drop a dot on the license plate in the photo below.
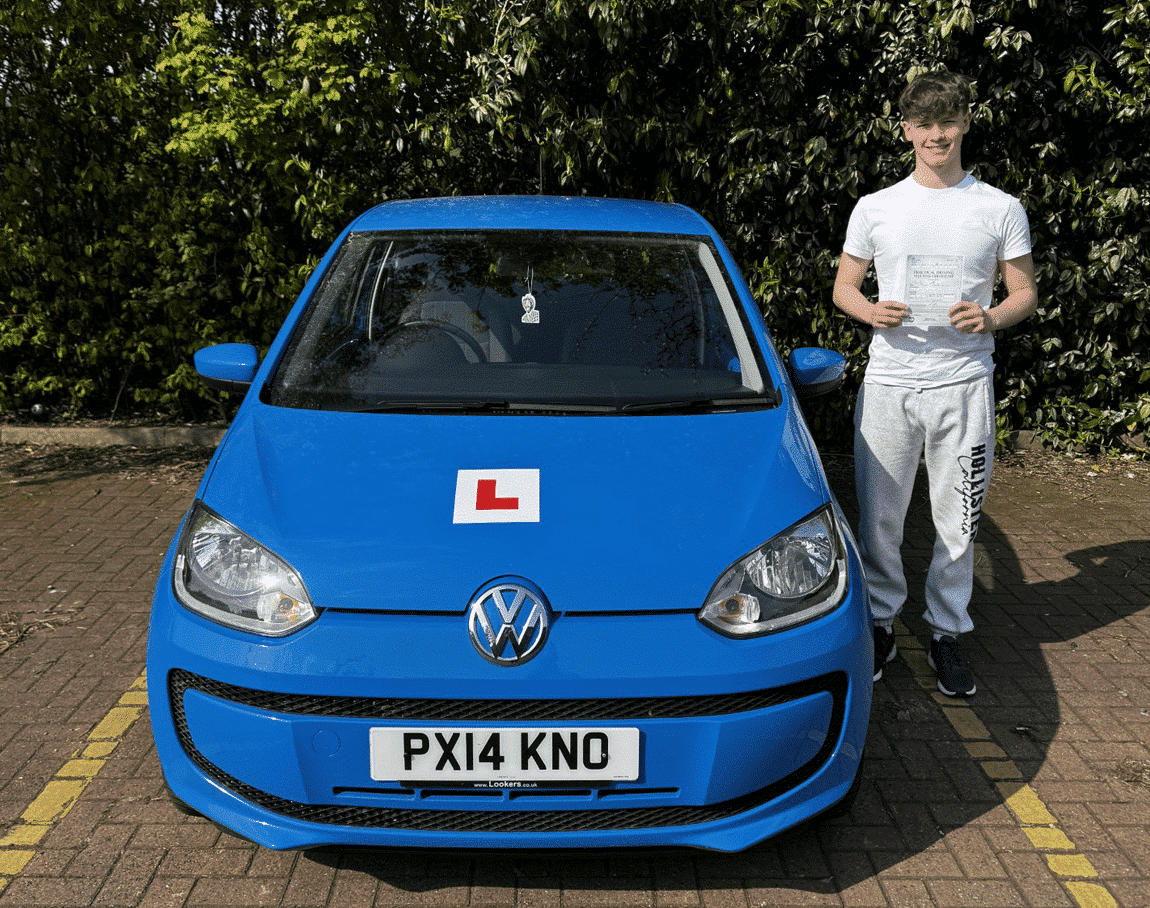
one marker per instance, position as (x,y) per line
(504,755)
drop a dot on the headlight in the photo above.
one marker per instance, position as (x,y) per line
(228,577)
(794,577)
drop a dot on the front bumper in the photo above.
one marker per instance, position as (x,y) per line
(740,739)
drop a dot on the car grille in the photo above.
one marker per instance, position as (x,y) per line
(517,820)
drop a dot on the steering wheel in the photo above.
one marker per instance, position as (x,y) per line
(458,334)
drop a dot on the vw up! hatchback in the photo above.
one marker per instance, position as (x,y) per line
(517,540)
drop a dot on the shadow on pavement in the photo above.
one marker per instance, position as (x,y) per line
(32,465)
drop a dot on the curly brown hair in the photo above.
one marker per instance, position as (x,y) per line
(933,95)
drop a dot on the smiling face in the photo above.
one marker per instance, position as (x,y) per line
(937,141)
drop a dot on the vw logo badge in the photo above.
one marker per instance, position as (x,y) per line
(508,620)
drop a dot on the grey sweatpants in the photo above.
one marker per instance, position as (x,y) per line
(953,426)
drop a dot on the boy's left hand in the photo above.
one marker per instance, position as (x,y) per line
(970,318)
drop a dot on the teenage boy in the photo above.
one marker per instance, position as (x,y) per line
(937,239)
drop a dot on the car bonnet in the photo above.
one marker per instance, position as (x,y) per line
(603,513)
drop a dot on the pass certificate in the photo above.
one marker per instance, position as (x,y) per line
(933,285)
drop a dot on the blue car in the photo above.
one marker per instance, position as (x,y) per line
(517,540)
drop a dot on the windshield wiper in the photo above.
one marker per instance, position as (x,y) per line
(681,405)
(415,405)
(484,406)
(696,404)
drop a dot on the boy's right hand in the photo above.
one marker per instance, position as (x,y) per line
(888,314)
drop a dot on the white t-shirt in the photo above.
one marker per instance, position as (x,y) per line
(930,245)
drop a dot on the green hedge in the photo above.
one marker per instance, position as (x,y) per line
(173,169)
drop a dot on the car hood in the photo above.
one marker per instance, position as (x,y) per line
(634,513)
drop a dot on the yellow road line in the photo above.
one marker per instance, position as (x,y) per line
(59,795)
(1039,824)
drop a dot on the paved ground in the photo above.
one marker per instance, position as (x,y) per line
(1036,793)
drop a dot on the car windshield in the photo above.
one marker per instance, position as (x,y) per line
(506,320)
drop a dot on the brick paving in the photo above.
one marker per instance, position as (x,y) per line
(1036,793)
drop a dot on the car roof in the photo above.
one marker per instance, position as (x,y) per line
(534,212)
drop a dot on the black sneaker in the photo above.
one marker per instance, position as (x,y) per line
(884,649)
(954,678)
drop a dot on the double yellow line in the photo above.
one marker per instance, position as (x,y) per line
(1072,868)
(65,788)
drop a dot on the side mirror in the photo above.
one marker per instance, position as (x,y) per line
(228,367)
(816,371)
